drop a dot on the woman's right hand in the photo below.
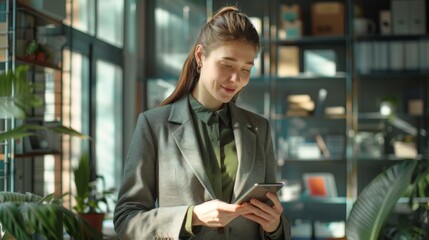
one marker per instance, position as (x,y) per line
(216,213)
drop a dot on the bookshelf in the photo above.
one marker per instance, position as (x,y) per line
(364,71)
(369,66)
(35,39)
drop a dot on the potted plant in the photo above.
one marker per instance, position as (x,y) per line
(368,216)
(23,216)
(26,216)
(36,52)
(87,197)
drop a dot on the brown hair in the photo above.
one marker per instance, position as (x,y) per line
(228,24)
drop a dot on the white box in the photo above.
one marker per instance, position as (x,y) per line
(308,151)
(380,56)
(385,22)
(411,55)
(424,54)
(405,149)
(363,58)
(408,16)
(400,16)
(397,56)
(321,62)
(417,16)
(288,64)
(415,107)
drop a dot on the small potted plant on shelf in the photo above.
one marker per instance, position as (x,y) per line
(36,52)
(87,197)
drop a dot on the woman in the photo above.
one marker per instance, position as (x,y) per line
(196,154)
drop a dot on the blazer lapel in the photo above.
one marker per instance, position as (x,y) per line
(187,141)
(245,140)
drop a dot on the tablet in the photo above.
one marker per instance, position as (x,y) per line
(259,191)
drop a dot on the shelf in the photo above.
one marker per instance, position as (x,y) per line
(386,158)
(323,200)
(259,79)
(45,65)
(37,154)
(33,154)
(295,160)
(313,40)
(279,117)
(305,76)
(379,116)
(343,200)
(373,38)
(30,10)
(409,74)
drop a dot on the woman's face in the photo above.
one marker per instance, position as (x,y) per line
(224,72)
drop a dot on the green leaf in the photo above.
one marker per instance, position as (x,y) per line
(24,215)
(12,221)
(376,201)
(68,131)
(82,181)
(73,224)
(28,130)
(16,93)
(43,218)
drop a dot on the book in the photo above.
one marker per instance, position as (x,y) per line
(322,145)
(288,64)
(320,184)
(320,62)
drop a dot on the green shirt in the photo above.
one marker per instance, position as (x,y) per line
(219,153)
(217,146)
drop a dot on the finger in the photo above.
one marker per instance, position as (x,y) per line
(229,207)
(274,198)
(268,225)
(254,218)
(262,210)
(264,207)
(245,209)
(276,202)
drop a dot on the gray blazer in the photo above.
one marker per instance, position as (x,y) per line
(164,174)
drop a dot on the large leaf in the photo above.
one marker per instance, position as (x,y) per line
(20,132)
(18,198)
(12,221)
(16,93)
(28,130)
(82,176)
(24,215)
(376,201)
(43,218)
(68,131)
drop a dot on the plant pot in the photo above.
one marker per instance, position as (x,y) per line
(95,220)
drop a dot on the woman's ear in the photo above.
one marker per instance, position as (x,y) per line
(199,54)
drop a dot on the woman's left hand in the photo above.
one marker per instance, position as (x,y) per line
(267,216)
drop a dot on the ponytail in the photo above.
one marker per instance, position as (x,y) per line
(228,24)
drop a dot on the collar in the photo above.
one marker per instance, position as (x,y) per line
(204,114)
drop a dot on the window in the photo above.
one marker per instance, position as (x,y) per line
(76,105)
(94,79)
(80,15)
(110,21)
(108,139)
